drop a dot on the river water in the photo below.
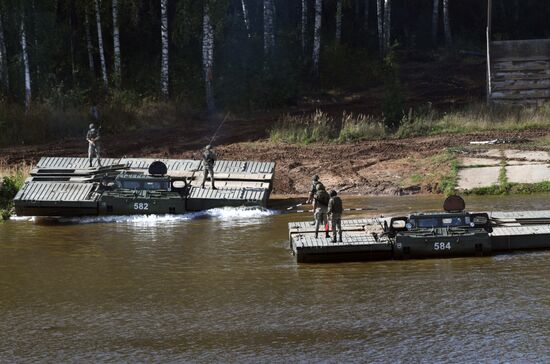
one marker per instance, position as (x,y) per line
(222,286)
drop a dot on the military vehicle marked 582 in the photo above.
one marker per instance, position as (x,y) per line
(125,186)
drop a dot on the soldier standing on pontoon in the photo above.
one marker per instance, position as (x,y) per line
(335,210)
(93,144)
(209,158)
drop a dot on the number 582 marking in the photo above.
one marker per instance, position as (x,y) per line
(442,246)
(141,206)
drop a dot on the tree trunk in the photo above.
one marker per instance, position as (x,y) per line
(435,21)
(338,21)
(245,18)
(447,24)
(366,16)
(164,70)
(4,74)
(380,17)
(89,43)
(208,58)
(71,38)
(317,35)
(387,25)
(304,25)
(26,67)
(116,45)
(269,35)
(100,46)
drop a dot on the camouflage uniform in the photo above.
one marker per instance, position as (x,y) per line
(335,210)
(320,209)
(93,146)
(209,158)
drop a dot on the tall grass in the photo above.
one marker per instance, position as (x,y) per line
(320,127)
(475,118)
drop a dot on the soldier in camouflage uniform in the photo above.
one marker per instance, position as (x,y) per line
(320,206)
(209,158)
(335,210)
(314,182)
(93,145)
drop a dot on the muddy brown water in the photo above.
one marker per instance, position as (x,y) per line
(223,287)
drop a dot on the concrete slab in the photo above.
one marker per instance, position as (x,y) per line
(528,173)
(469,178)
(527,155)
(491,153)
(470,162)
(523,163)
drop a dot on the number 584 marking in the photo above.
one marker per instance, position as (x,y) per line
(141,206)
(442,246)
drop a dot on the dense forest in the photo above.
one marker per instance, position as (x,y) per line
(229,54)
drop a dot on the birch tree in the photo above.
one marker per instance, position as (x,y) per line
(447,24)
(100,45)
(164,70)
(380,18)
(4,74)
(304,25)
(435,20)
(208,58)
(338,21)
(317,35)
(269,33)
(116,45)
(89,45)
(26,68)
(245,18)
(387,25)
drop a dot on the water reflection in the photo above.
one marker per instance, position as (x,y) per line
(222,286)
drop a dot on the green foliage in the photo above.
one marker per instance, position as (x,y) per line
(512,188)
(448,181)
(394,102)
(9,187)
(347,68)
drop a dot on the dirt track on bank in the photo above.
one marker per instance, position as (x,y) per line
(366,168)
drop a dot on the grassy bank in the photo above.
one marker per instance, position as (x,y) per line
(11,181)
(320,127)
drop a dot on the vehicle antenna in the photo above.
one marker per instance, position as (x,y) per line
(218,129)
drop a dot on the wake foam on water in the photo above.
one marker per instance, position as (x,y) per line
(248,214)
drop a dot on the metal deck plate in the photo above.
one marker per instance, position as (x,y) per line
(56,191)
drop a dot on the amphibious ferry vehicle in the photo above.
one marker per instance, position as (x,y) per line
(126,186)
(451,233)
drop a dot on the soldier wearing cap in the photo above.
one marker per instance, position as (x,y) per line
(93,144)
(209,158)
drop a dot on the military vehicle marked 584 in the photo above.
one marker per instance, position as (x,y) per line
(125,186)
(453,233)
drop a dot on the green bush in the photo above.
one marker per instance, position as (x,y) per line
(9,187)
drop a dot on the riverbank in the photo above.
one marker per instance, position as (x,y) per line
(429,164)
